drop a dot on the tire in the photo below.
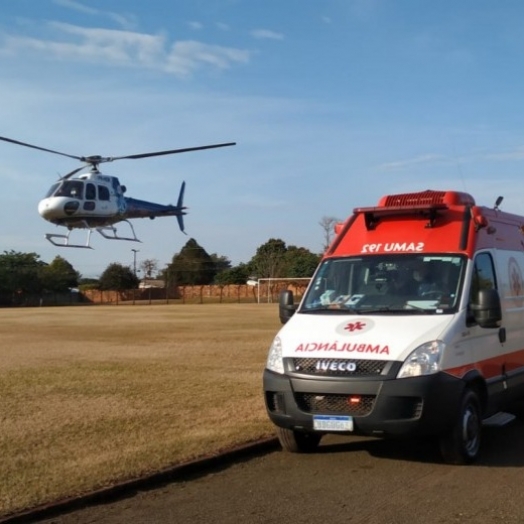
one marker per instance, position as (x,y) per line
(461,445)
(298,441)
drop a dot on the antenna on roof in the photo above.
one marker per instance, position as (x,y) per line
(498,202)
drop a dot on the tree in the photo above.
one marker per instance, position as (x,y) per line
(85,284)
(118,278)
(275,260)
(235,275)
(192,266)
(20,273)
(224,274)
(269,260)
(88,281)
(300,262)
(59,276)
(149,267)
(328,226)
(221,262)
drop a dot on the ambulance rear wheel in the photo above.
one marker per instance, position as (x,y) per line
(298,441)
(461,445)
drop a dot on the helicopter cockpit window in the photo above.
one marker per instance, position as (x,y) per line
(71,189)
(103,193)
(52,190)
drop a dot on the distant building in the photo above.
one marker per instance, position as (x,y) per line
(148,283)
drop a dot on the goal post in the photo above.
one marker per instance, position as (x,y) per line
(266,286)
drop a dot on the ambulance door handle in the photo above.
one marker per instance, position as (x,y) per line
(502,335)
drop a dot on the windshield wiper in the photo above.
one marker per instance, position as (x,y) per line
(338,309)
(385,309)
(416,307)
(380,309)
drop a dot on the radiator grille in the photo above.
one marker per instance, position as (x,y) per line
(329,367)
(339,404)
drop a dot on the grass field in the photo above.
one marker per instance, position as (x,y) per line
(95,395)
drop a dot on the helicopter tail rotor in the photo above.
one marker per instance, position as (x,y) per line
(180,205)
(180,219)
(180,202)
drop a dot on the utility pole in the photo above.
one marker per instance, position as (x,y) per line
(135,251)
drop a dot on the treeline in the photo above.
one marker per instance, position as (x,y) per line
(25,274)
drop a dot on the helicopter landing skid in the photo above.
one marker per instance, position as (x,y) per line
(65,240)
(114,234)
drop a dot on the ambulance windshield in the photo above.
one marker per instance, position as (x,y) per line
(387,283)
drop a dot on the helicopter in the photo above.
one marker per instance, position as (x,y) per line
(96,202)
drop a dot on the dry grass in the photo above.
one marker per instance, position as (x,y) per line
(94,395)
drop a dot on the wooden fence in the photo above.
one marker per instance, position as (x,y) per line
(184,294)
(195,294)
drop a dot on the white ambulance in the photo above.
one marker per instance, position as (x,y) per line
(413,324)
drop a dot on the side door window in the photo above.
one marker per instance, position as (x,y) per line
(90,192)
(483,278)
(103,193)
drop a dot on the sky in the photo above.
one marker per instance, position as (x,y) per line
(332,104)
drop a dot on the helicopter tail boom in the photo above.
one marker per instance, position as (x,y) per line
(142,209)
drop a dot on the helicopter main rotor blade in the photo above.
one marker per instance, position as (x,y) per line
(40,148)
(172,151)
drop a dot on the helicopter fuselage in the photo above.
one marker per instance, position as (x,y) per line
(91,200)
(95,200)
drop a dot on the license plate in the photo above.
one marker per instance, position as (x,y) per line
(332,423)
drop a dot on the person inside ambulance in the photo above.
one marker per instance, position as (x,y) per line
(426,279)
(404,283)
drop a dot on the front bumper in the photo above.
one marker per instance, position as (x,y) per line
(424,405)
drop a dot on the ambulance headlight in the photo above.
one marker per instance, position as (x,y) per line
(274,359)
(425,360)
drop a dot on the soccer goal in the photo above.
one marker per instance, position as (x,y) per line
(268,289)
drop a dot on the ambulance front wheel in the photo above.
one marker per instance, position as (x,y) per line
(461,445)
(298,441)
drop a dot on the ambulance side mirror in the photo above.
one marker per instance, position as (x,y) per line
(487,310)
(286,305)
